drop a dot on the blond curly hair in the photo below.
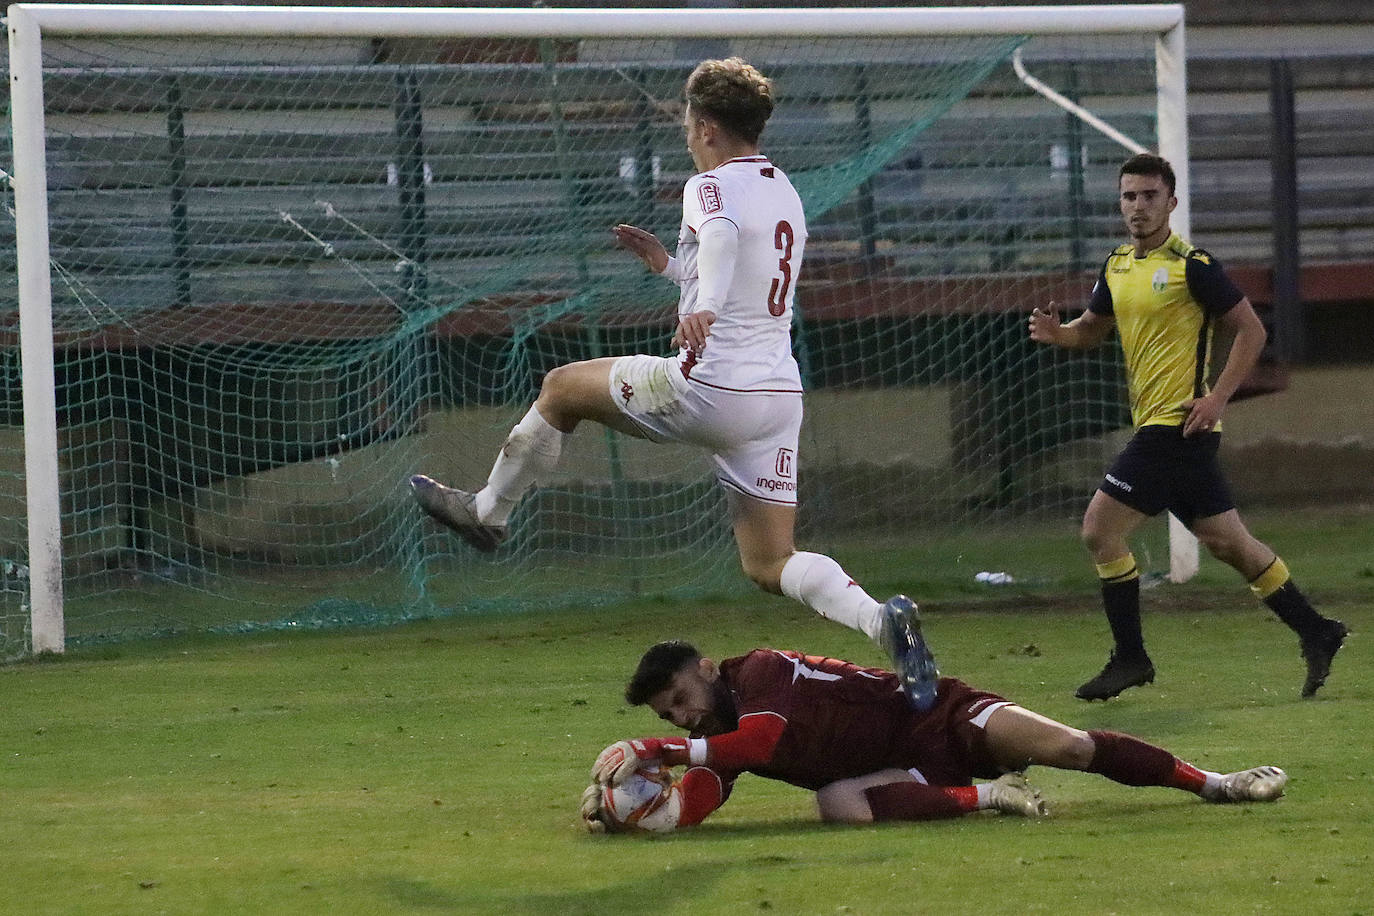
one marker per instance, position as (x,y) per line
(734,93)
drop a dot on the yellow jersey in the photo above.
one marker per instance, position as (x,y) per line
(1165,304)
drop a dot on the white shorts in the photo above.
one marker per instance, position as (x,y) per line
(752,436)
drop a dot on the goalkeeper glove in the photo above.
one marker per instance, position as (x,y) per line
(592,817)
(618,762)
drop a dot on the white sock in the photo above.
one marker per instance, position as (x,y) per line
(530,452)
(819,583)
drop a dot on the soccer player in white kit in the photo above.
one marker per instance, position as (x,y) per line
(733,386)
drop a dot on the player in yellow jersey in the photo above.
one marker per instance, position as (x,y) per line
(1165,297)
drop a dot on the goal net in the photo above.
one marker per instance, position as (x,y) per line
(291,265)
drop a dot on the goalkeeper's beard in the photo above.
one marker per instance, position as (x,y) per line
(722,718)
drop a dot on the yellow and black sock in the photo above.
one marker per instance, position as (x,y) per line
(1276,588)
(1121,600)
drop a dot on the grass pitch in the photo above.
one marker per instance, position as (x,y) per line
(436,767)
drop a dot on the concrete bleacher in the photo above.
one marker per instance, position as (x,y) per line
(498,172)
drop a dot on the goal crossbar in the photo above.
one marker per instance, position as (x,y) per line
(147,20)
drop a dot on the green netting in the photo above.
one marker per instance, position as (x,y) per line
(289,274)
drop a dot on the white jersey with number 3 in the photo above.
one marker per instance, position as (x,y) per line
(750,344)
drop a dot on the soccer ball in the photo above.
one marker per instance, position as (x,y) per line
(649,801)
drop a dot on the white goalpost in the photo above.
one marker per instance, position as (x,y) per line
(32,26)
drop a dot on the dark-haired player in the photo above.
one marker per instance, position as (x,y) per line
(1165,297)
(732,387)
(847,733)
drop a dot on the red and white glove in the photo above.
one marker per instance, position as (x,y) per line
(618,762)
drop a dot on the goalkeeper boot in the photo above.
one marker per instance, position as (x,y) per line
(1010,793)
(1118,674)
(1318,649)
(1257,784)
(901,637)
(456,510)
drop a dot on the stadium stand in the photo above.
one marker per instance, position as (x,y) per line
(1230,134)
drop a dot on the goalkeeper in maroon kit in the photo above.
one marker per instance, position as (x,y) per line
(847,733)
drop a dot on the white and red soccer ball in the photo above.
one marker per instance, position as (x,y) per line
(649,801)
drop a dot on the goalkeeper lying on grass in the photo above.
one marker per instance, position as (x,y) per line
(848,733)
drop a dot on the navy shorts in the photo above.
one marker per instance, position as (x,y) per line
(1160,469)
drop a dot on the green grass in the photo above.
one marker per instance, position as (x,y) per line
(436,767)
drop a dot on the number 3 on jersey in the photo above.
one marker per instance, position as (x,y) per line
(777,292)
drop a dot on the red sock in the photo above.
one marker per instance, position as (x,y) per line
(911,801)
(1187,776)
(1133,762)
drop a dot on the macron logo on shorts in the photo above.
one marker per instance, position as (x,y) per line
(1119,484)
(709,195)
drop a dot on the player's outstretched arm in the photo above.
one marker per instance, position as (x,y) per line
(643,245)
(1087,330)
(751,744)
